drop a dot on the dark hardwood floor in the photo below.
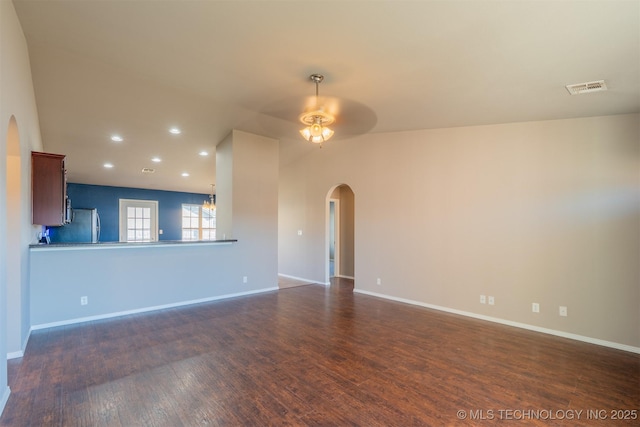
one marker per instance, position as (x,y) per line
(315,355)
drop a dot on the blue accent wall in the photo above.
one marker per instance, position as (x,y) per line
(106,200)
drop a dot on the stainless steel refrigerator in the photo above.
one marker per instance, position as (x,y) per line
(83,228)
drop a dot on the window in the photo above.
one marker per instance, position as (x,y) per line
(198,222)
(138,220)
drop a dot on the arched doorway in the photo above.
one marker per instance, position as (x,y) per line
(13,246)
(340,235)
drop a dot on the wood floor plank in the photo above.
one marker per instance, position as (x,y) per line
(313,355)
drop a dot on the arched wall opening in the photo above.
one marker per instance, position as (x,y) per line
(340,233)
(13,249)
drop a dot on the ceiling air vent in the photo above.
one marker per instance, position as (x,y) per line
(148,170)
(580,88)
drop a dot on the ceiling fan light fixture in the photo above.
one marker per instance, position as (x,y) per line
(317,137)
(316,122)
(316,130)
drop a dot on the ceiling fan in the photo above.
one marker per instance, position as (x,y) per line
(317,119)
(322,117)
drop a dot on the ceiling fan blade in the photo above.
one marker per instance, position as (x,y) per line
(351,117)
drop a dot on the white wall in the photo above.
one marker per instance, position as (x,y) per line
(13,272)
(124,279)
(545,212)
(224,188)
(247,178)
(17,100)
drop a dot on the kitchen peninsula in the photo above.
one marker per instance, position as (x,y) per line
(72,283)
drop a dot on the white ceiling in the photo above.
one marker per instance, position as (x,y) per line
(136,68)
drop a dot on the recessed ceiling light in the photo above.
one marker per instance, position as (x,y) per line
(108,165)
(116,138)
(185,174)
(203,153)
(175,131)
(156,159)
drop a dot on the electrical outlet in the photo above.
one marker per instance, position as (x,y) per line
(378,281)
(299,232)
(84,300)
(535,307)
(563,311)
(483,299)
(492,301)
(244,279)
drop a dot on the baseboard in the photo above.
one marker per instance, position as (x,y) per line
(19,354)
(15,354)
(146,309)
(302,279)
(342,276)
(5,398)
(526,326)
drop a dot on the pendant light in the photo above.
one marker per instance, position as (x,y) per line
(209,204)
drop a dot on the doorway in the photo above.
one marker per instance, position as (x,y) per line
(340,233)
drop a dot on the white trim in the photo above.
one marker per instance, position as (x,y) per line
(562,334)
(302,279)
(143,310)
(5,398)
(342,276)
(19,354)
(15,354)
(336,236)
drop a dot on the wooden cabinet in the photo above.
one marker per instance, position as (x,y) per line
(48,188)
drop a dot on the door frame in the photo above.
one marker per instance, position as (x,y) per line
(336,237)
